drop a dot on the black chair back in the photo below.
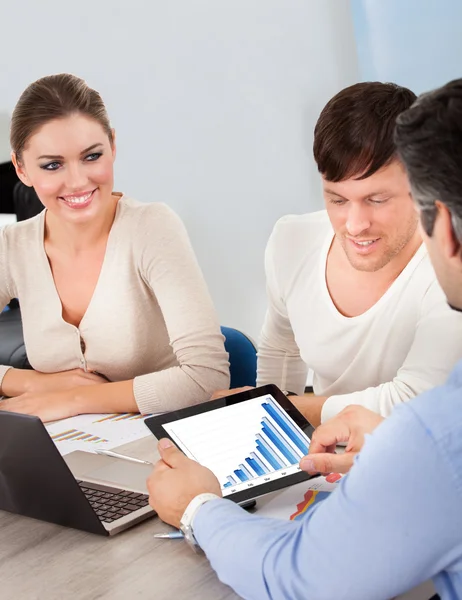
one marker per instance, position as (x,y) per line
(8,180)
(26,202)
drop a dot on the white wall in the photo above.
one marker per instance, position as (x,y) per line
(416,43)
(214,103)
(4,137)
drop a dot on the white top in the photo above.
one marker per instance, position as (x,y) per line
(6,219)
(406,343)
(150,319)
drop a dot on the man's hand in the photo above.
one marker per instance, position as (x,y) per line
(175,481)
(310,406)
(224,393)
(350,425)
(20,381)
(48,407)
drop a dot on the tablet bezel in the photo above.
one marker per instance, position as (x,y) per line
(155,424)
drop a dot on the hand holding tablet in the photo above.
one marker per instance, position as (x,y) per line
(252,441)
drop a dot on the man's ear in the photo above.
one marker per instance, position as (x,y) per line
(20,171)
(445,233)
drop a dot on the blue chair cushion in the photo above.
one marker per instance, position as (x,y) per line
(242,358)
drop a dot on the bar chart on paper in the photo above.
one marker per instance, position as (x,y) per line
(243,444)
(89,432)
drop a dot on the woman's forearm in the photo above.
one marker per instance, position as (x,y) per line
(21,381)
(105,398)
(17,381)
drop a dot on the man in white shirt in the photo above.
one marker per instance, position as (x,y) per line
(352,294)
(395,520)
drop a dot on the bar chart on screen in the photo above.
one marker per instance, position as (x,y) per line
(277,446)
(88,432)
(244,444)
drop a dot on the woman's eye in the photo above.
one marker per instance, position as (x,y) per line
(93,156)
(53,166)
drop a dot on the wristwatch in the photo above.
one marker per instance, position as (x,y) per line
(187,520)
(287,393)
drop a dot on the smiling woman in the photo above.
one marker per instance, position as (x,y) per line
(123,320)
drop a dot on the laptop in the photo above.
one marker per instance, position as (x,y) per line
(94,493)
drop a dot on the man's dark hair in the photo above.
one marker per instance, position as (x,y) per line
(428,139)
(354,133)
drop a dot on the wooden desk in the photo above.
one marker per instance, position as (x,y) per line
(42,561)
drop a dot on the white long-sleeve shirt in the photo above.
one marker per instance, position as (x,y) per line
(406,343)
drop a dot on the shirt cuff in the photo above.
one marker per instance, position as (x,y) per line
(3,370)
(194,506)
(145,396)
(334,404)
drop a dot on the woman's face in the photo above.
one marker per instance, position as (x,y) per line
(69,162)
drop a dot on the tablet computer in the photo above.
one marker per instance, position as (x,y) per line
(252,441)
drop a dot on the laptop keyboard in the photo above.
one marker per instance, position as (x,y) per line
(112,505)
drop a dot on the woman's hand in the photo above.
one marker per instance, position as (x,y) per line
(52,396)
(17,382)
(50,406)
(112,397)
(66,380)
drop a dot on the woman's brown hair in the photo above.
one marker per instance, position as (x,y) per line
(54,97)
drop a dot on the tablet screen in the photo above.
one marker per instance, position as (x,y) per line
(246,444)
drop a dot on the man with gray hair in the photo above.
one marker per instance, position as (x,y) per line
(396,519)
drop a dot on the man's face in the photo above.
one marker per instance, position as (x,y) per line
(441,247)
(374,218)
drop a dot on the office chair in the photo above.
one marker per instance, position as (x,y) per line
(8,180)
(26,202)
(242,358)
(15,197)
(12,349)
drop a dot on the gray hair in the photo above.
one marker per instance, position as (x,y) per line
(428,137)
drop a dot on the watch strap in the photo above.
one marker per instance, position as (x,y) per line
(187,520)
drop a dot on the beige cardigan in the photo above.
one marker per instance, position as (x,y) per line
(150,319)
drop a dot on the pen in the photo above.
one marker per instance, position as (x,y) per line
(173,535)
(122,456)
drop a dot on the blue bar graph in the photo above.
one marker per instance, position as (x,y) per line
(245,470)
(262,441)
(266,454)
(242,476)
(278,445)
(287,442)
(255,466)
(278,441)
(260,462)
(287,427)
